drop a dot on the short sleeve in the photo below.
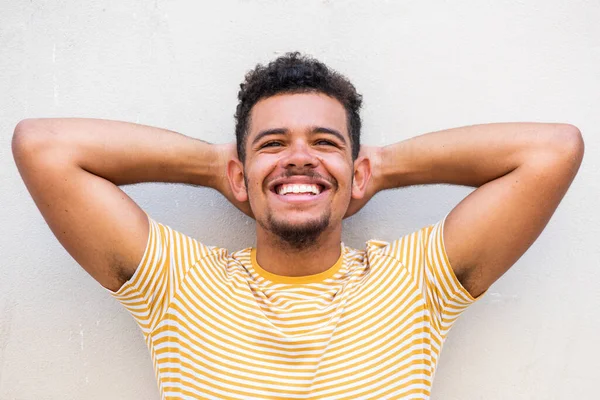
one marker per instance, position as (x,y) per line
(168,257)
(423,253)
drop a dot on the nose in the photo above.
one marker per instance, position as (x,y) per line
(300,155)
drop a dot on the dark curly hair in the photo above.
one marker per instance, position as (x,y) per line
(296,73)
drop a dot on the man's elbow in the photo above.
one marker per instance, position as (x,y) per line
(25,130)
(569,143)
(29,134)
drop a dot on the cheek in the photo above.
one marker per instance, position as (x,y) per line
(343,174)
(258,168)
(254,180)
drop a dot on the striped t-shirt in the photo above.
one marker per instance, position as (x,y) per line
(218,326)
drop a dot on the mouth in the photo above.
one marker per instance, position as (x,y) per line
(293,188)
(295,193)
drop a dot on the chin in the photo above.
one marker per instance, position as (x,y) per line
(299,222)
(298,233)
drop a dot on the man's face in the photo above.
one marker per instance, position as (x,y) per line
(298,168)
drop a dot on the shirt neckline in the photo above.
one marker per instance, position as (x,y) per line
(315,278)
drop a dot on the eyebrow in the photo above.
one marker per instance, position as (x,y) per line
(283,131)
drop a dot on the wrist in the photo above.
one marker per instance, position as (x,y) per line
(221,154)
(377,158)
(390,169)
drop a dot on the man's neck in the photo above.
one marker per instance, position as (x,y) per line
(280,258)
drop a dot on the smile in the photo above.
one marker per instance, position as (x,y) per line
(287,189)
(299,193)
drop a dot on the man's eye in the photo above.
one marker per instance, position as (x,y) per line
(269,144)
(327,142)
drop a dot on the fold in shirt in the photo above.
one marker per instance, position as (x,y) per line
(219,326)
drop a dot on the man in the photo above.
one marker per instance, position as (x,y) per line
(301,315)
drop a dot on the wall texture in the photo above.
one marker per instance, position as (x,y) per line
(421,66)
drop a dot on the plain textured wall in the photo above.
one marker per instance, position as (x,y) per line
(421,66)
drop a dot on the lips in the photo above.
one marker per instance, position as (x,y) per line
(299,188)
(299,183)
(296,198)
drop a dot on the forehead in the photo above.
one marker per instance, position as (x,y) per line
(297,112)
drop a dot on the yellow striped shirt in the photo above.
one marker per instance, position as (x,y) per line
(218,326)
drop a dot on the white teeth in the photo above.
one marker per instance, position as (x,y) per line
(293,188)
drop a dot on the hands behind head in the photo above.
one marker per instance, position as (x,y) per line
(228,151)
(373,154)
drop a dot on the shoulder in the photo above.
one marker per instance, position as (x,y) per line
(409,244)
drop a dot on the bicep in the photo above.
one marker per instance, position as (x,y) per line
(487,232)
(98,224)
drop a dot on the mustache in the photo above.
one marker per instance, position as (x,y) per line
(305,172)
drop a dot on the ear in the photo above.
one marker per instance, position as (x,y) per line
(362,177)
(235,174)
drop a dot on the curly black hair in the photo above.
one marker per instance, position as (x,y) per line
(296,73)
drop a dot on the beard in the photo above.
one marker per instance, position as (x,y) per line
(298,236)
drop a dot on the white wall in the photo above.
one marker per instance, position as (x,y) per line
(421,66)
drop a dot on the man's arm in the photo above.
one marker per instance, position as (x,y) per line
(73,167)
(521,171)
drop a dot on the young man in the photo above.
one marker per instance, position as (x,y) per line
(301,315)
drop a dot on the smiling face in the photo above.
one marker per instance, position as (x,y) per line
(298,172)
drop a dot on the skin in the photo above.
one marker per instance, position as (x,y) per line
(299,151)
(73,168)
(521,172)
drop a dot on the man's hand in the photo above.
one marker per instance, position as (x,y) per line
(374,154)
(227,152)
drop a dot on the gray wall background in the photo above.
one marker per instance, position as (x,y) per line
(421,66)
